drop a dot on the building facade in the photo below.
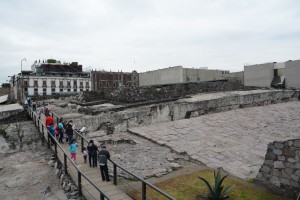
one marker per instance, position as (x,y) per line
(179,74)
(103,80)
(49,79)
(283,74)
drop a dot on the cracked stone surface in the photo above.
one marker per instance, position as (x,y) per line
(235,140)
(140,156)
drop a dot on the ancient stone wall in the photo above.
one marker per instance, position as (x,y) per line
(282,165)
(184,108)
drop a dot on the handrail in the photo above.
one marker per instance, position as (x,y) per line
(117,165)
(32,113)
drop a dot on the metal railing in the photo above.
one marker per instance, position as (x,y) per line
(116,166)
(51,139)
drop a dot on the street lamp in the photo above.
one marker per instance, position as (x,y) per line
(24,59)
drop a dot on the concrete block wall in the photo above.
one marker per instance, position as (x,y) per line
(259,75)
(281,167)
(292,74)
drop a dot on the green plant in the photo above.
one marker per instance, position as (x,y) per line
(216,192)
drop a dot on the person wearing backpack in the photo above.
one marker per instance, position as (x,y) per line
(103,155)
(92,152)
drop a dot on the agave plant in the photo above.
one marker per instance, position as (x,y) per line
(216,192)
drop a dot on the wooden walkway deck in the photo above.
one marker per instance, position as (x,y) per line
(93,173)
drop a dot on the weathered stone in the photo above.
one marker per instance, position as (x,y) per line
(276,172)
(55,165)
(259,175)
(279,145)
(295,178)
(285,175)
(297,172)
(278,165)
(275,181)
(289,143)
(267,176)
(297,143)
(269,162)
(297,166)
(285,181)
(288,170)
(289,153)
(51,162)
(290,165)
(270,156)
(294,183)
(270,146)
(282,158)
(291,160)
(277,152)
(266,169)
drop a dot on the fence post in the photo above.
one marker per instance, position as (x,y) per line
(115,174)
(48,141)
(65,164)
(143,191)
(101,196)
(82,144)
(79,184)
(55,149)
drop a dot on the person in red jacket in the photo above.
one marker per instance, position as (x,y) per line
(49,120)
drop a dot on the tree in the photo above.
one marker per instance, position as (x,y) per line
(5,85)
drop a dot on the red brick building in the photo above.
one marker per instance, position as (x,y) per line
(103,80)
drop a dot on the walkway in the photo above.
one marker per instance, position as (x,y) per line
(89,192)
(235,140)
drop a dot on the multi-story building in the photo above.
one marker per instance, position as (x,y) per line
(50,78)
(103,80)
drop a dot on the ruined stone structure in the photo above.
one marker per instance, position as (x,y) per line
(108,81)
(281,167)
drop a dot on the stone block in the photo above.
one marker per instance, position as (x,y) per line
(294,183)
(270,156)
(266,169)
(275,181)
(279,145)
(290,165)
(278,165)
(297,166)
(289,143)
(297,143)
(297,173)
(285,175)
(271,146)
(267,176)
(276,172)
(289,153)
(269,162)
(291,160)
(285,181)
(288,170)
(277,152)
(295,178)
(259,175)
(282,158)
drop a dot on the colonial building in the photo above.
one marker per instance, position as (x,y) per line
(50,78)
(103,80)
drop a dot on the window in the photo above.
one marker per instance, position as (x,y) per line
(26,89)
(25,83)
(69,90)
(44,90)
(44,83)
(75,90)
(61,83)
(81,90)
(52,83)
(53,90)
(61,90)
(35,83)
(106,84)
(35,89)
(87,84)
(114,85)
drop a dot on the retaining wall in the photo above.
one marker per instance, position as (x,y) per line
(281,167)
(183,108)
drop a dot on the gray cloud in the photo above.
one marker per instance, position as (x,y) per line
(110,35)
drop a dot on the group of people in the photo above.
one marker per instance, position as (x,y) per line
(66,130)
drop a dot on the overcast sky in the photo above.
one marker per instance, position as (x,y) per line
(146,35)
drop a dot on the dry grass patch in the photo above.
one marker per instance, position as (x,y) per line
(190,187)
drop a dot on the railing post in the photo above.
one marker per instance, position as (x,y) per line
(143,191)
(79,184)
(115,174)
(82,144)
(55,150)
(101,196)
(65,164)
(57,120)
(48,141)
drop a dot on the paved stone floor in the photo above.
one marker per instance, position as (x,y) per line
(235,140)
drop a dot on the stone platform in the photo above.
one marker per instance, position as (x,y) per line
(235,140)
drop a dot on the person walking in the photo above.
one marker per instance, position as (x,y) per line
(85,154)
(103,155)
(61,130)
(73,150)
(92,152)
(52,132)
(49,120)
(70,131)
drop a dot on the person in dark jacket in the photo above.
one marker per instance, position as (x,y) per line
(92,152)
(103,156)
(70,131)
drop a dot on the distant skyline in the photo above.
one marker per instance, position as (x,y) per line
(148,35)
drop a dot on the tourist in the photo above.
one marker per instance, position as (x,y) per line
(92,152)
(103,155)
(47,111)
(85,154)
(41,112)
(61,130)
(49,120)
(29,102)
(73,150)
(34,106)
(70,131)
(52,132)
